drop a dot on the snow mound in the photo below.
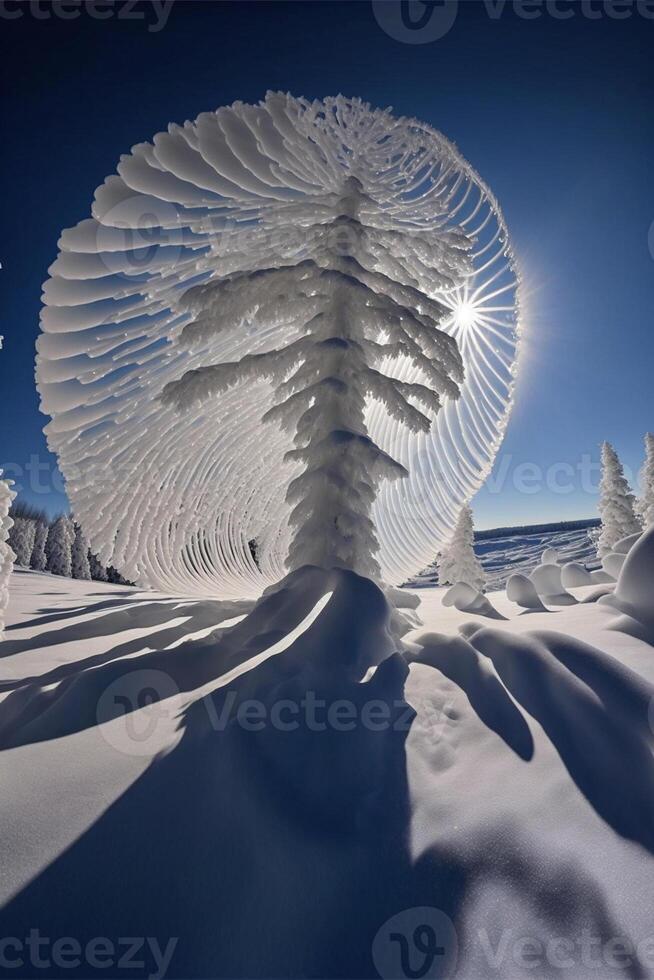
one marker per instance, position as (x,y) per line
(466,599)
(624,545)
(574,575)
(612,563)
(522,590)
(594,709)
(547,582)
(633,593)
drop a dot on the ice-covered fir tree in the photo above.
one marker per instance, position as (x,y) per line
(80,555)
(457,561)
(6,553)
(645,503)
(616,504)
(359,299)
(58,547)
(21,539)
(38,561)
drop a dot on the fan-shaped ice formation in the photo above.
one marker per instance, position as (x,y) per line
(221,206)
(549,557)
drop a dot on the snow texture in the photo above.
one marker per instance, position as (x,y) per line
(457,561)
(205,270)
(616,504)
(511,787)
(7,555)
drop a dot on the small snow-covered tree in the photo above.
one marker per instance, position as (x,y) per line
(59,546)
(38,561)
(80,555)
(360,297)
(21,539)
(645,503)
(457,561)
(96,568)
(6,553)
(616,503)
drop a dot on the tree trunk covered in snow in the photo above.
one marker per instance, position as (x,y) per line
(354,307)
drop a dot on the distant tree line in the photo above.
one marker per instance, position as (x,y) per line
(55,545)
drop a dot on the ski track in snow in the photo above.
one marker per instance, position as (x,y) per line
(519,802)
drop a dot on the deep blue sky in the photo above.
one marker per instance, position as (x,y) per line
(555,114)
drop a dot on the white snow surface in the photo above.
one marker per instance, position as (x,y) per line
(519,803)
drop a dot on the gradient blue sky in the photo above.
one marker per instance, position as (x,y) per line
(555,114)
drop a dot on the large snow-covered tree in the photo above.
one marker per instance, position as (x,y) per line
(616,503)
(340,263)
(80,554)
(6,553)
(21,539)
(356,305)
(457,561)
(645,503)
(59,546)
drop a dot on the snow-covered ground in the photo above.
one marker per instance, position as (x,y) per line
(505,831)
(516,551)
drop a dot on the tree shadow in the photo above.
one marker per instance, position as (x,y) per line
(594,711)
(460,663)
(280,850)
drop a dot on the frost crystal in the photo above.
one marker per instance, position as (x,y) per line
(336,271)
